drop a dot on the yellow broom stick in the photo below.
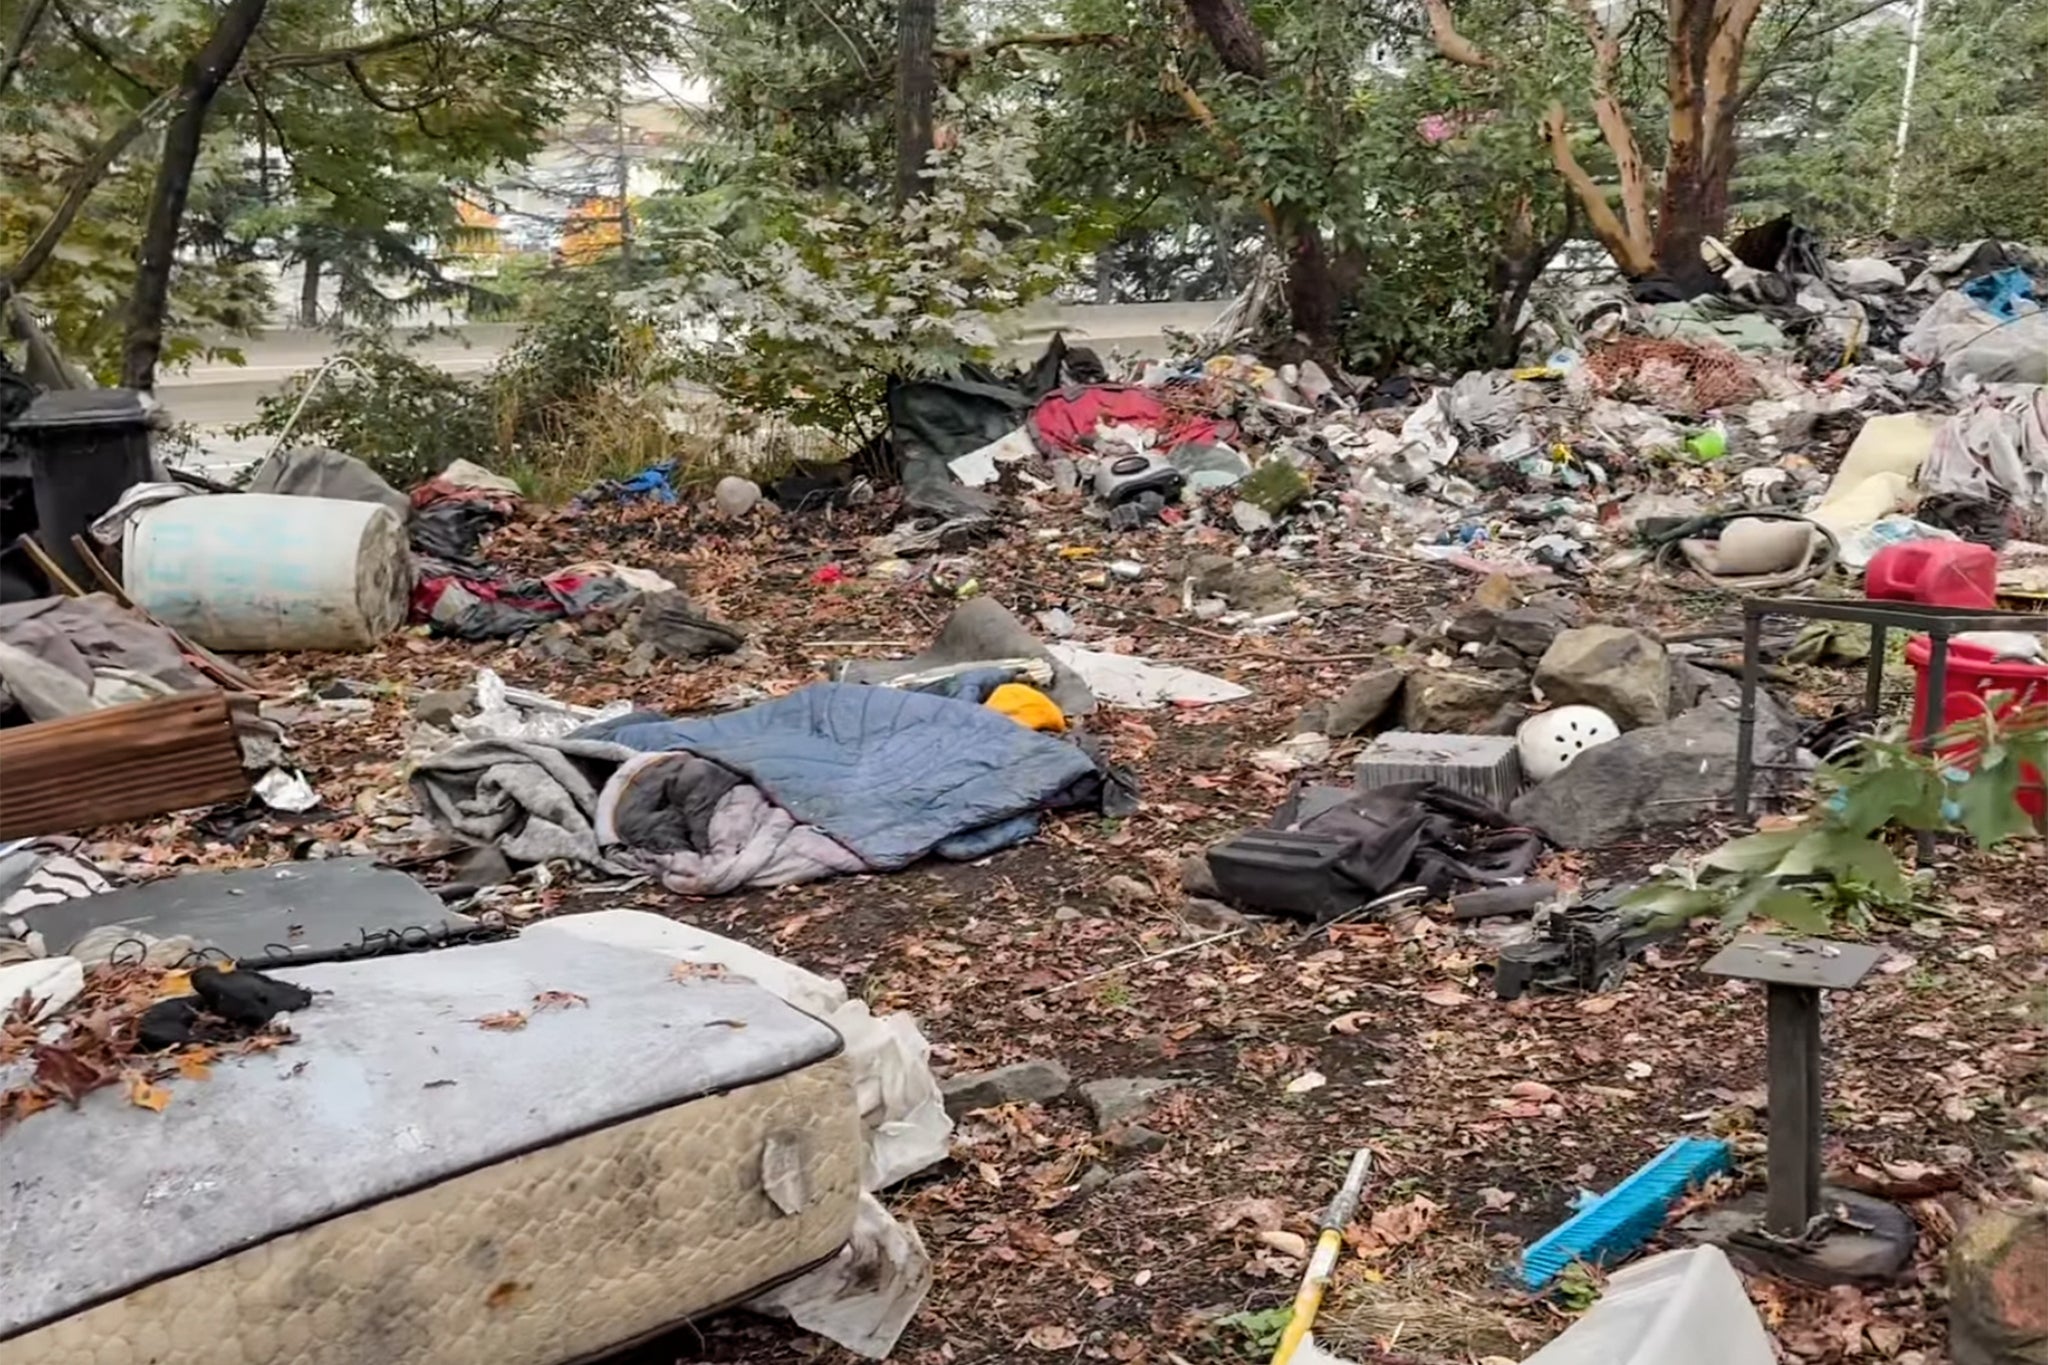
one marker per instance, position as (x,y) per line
(1323,1263)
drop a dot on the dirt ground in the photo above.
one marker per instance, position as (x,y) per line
(1287,1049)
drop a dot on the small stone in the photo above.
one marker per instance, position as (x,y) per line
(1499,658)
(1125,890)
(1313,720)
(1998,1290)
(640,662)
(1364,704)
(1092,1179)
(1528,630)
(1250,518)
(1120,1099)
(1066,914)
(1393,635)
(1454,702)
(439,709)
(1031,1082)
(1129,1182)
(735,496)
(1260,589)
(342,689)
(1195,877)
(1623,672)
(1475,627)
(1212,916)
(1134,1137)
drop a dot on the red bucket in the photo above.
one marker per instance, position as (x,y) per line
(1973,676)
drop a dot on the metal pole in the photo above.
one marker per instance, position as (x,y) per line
(1745,723)
(1793,1198)
(1891,195)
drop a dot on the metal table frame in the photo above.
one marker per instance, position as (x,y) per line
(1939,624)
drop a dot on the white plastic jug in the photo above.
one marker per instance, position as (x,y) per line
(254,571)
(1681,1308)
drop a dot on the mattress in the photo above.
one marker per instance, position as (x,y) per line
(405,1184)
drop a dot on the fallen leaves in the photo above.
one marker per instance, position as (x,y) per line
(143,1095)
(504,1021)
(1307,1081)
(1259,1214)
(1446,996)
(1286,1243)
(559,1000)
(1052,1336)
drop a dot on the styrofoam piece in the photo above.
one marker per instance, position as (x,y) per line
(1488,767)
(1681,1308)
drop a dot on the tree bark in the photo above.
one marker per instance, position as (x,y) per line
(201,81)
(17,47)
(1229,28)
(309,290)
(83,182)
(916,86)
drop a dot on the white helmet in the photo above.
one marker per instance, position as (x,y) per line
(1550,740)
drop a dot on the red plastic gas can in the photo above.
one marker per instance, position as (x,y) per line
(1934,573)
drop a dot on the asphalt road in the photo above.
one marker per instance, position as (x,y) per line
(218,396)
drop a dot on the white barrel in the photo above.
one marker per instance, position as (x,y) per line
(258,571)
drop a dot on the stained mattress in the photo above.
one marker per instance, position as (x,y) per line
(404,1184)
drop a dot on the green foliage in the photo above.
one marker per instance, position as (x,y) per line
(406,420)
(1835,869)
(805,304)
(1261,1331)
(1578,1288)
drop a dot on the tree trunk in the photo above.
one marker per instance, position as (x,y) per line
(309,290)
(201,81)
(1228,27)
(916,85)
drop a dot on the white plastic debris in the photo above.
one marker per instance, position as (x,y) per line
(1139,684)
(287,790)
(1681,1308)
(515,713)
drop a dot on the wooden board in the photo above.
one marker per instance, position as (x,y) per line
(121,763)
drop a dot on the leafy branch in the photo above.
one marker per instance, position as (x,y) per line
(1837,865)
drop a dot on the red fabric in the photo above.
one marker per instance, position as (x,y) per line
(1064,418)
(439,490)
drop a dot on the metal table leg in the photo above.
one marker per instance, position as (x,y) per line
(1795,1099)
(1873,686)
(1745,724)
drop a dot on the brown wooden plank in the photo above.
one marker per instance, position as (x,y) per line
(119,763)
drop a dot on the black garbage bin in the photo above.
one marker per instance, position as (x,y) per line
(86,448)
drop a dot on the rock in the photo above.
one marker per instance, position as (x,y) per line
(1273,487)
(1031,1082)
(1657,777)
(440,709)
(1529,630)
(1127,891)
(1212,916)
(1623,672)
(343,689)
(1121,1099)
(1092,1179)
(1260,589)
(640,662)
(678,630)
(1250,518)
(1998,1290)
(1499,658)
(1195,877)
(1473,627)
(1304,749)
(1129,1182)
(1393,635)
(1135,1137)
(1364,704)
(1452,701)
(1313,720)
(735,496)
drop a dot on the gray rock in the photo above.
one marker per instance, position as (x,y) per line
(1260,589)
(1031,1082)
(1250,518)
(1657,777)
(1565,607)
(1393,635)
(1623,672)
(1364,704)
(441,708)
(1499,658)
(1135,1137)
(1445,701)
(1129,1182)
(1212,916)
(1195,877)
(1474,627)
(1313,720)
(1120,1099)
(735,496)
(1092,1179)
(1529,630)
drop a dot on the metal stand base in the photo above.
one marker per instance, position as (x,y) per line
(1855,1240)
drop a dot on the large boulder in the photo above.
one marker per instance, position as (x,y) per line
(1624,672)
(1658,777)
(1998,1290)
(1451,701)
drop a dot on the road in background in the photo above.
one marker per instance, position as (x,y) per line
(217,396)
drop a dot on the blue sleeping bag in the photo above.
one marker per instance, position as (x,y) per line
(891,774)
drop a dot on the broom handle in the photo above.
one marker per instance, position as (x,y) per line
(1323,1263)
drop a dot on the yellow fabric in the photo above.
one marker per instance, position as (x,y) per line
(1028,706)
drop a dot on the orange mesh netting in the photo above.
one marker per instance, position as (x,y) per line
(1677,376)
